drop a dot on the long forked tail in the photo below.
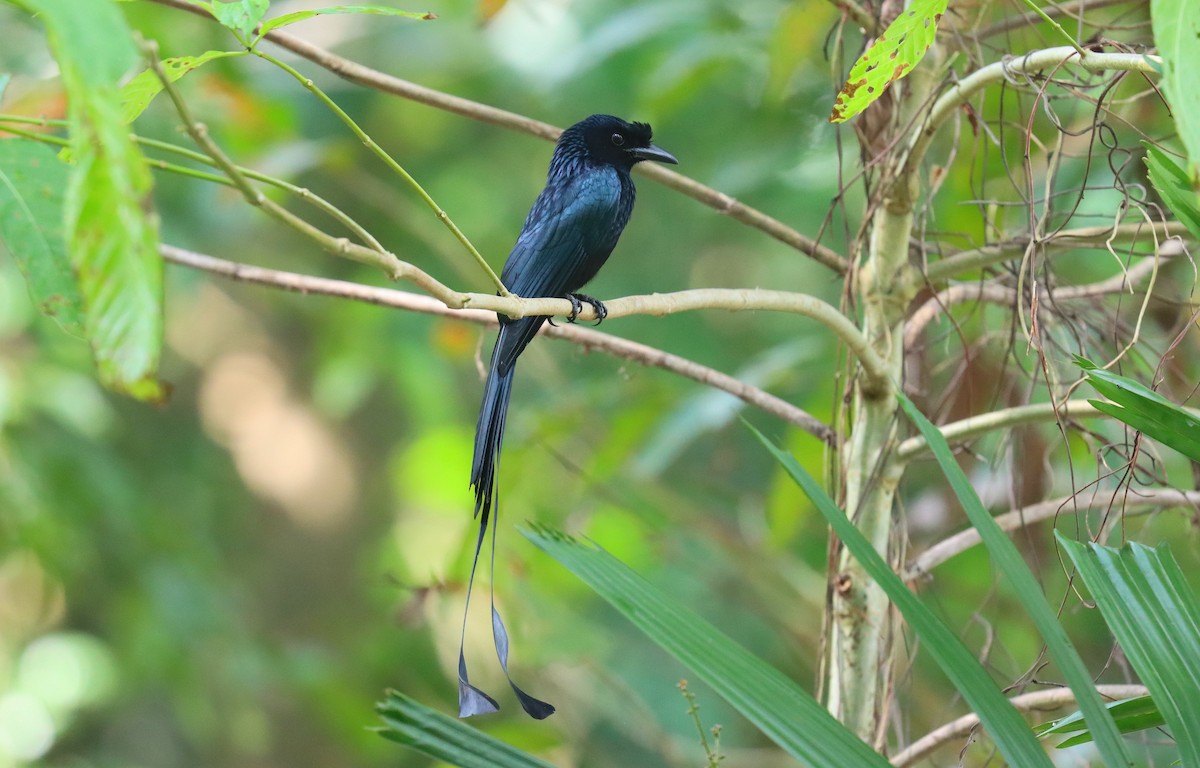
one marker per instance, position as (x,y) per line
(489,435)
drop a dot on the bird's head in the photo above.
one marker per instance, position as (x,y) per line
(608,140)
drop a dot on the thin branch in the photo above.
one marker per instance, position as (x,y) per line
(995,253)
(390,162)
(1137,502)
(974,426)
(859,14)
(373,78)
(338,246)
(1007,295)
(1055,698)
(587,338)
(1009,23)
(1030,64)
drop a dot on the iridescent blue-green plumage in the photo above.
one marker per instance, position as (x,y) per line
(570,231)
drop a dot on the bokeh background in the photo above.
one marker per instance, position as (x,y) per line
(235,577)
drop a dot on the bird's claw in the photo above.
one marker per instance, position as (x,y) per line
(579,299)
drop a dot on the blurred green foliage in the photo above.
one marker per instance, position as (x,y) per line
(234,577)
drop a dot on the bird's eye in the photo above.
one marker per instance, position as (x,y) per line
(618,140)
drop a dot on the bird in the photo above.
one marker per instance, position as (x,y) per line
(567,237)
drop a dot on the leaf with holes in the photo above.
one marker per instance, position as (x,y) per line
(240,15)
(137,94)
(891,57)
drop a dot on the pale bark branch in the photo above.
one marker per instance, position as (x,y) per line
(974,426)
(373,78)
(1029,64)
(995,253)
(1007,295)
(587,338)
(1055,698)
(1137,501)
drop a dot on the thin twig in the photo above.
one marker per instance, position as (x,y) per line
(339,246)
(1008,295)
(390,162)
(373,78)
(1136,502)
(1055,698)
(587,338)
(1029,64)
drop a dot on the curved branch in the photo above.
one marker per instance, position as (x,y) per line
(1136,502)
(1029,64)
(1007,295)
(986,256)
(1037,700)
(587,338)
(973,426)
(373,78)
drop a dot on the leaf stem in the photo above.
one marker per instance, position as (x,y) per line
(390,162)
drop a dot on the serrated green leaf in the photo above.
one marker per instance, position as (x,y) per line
(891,56)
(32,180)
(431,733)
(782,710)
(137,94)
(1174,187)
(1004,724)
(112,234)
(1009,562)
(241,16)
(1155,616)
(1176,25)
(295,16)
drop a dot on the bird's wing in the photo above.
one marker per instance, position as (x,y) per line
(569,228)
(570,225)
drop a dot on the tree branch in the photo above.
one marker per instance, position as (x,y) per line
(1007,295)
(373,78)
(1030,64)
(587,338)
(973,426)
(1037,700)
(1136,502)
(986,256)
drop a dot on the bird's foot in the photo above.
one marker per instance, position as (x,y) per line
(579,299)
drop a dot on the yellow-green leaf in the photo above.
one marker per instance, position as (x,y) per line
(137,94)
(892,56)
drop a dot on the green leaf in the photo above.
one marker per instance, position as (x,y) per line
(241,16)
(1009,562)
(137,94)
(444,738)
(1174,187)
(891,56)
(32,180)
(1130,715)
(111,233)
(292,18)
(1145,410)
(1006,727)
(782,710)
(1176,25)
(1154,615)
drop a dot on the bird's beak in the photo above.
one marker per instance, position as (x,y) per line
(657,154)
